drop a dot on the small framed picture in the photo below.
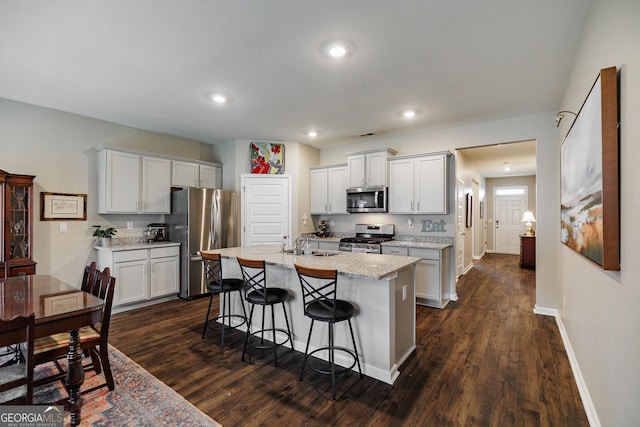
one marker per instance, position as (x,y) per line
(62,303)
(63,206)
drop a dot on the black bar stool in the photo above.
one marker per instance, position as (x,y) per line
(223,287)
(257,293)
(320,303)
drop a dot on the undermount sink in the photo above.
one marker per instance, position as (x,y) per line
(315,252)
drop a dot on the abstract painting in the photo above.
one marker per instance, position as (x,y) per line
(589,176)
(266,158)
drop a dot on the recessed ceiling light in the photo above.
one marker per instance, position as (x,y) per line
(219,98)
(337,49)
(507,169)
(409,113)
(312,134)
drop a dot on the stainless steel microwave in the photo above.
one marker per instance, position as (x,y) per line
(367,199)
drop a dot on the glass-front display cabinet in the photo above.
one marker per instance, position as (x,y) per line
(16,217)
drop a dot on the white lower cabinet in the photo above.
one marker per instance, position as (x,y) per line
(142,274)
(431,274)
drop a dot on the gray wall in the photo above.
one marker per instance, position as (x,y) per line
(601,309)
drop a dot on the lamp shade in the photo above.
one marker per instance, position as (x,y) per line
(528,217)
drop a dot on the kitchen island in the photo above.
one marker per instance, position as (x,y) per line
(380,286)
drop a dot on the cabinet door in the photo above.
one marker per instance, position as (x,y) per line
(331,246)
(319,191)
(431,185)
(356,165)
(401,196)
(337,194)
(164,276)
(428,283)
(131,281)
(156,185)
(210,176)
(184,174)
(122,182)
(376,169)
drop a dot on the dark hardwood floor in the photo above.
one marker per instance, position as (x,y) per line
(484,360)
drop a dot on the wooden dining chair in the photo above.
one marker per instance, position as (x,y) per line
(16,379)
(93,339)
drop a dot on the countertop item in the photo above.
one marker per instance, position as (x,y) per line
(137,245)
(353,264)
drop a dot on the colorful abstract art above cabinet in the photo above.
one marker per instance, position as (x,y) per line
(266,158)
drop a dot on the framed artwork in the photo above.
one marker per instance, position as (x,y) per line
(266,158)
(469,210)
(590,212)
(63,206)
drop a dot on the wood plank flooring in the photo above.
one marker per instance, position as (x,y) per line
(485,360)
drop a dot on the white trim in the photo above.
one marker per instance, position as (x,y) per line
(589,407)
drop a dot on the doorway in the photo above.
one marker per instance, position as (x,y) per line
(266,209)
(509,205)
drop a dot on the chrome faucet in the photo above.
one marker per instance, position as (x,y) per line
(297,246)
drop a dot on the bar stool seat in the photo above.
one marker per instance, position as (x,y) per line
(319,289)
(257,293)
(217,285)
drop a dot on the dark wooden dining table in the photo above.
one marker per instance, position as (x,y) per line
(58,307)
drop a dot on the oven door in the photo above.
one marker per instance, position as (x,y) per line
(345,246)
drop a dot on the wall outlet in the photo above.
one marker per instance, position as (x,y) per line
(62,227)
(129,225)
(404,292)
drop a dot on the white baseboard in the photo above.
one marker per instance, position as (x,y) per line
(592,414)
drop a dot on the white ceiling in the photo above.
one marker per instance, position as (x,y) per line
(151,63)
(491,160)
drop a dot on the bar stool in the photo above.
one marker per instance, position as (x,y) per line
(218,285)
(320,303)
(257,293)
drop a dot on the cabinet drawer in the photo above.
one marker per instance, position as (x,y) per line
(433,254)
(165,252)
(395,250)
(123,256)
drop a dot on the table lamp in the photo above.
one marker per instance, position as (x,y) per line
(528,219)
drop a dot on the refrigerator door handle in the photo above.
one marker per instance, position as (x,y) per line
(215,207)
(195,257)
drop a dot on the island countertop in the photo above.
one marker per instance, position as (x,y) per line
(352,264)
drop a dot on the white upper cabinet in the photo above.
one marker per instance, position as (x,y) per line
(368,169)
(210,176)
(185,174)
(328,190)
(118,182)
(419,184)
(156,185)
(130,182)
(188,174)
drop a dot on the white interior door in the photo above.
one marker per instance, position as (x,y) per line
(508,212)
(461,227)
(266,209)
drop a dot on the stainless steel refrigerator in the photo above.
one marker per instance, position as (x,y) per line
(201,219)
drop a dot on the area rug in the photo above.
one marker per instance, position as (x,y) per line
(139,398)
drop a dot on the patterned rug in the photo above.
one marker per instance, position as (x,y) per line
(139,398)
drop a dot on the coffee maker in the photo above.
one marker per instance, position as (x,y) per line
(161,231)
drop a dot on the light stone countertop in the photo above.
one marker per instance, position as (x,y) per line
(136,245)
(369,266)
(324,239)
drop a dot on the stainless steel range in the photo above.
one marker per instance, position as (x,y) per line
(368,238)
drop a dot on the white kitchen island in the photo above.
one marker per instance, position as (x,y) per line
(380,286)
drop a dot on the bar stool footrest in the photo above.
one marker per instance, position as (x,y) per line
(339,368)
(216,325)
(255,336)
